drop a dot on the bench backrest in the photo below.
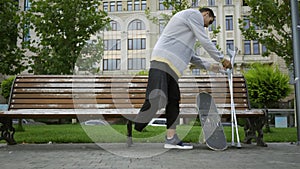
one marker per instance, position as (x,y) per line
(117,92)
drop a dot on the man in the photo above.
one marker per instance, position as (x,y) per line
(170,57)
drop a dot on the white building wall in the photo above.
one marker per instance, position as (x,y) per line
(151,33)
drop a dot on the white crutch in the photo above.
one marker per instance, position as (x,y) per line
(232,54)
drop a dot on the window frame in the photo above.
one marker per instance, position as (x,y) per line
(229,22)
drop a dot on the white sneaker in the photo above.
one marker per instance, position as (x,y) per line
(176,143)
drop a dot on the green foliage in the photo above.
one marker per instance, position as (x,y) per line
(62,28)
(143,72)
(6,87)
(90,55)
(175,5)
(266,85)
(273,18)
(11,56)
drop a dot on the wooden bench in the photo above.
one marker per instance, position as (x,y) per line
(63,96)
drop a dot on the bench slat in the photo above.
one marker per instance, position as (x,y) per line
(120,95)
(117,78)
(120,90)
(121,85)
(135,100)
(106,106)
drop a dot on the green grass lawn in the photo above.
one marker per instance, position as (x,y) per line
(75,133)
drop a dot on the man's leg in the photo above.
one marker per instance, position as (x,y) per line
(171,133)
(156,98)
(172,108)
(172,112)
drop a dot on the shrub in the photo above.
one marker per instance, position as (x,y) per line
(266,85)
(6,87)
(143,72)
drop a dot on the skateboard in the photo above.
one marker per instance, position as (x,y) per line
(210,119)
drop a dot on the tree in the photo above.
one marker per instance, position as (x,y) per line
(62,29)
(175,5)
(266,85)
(11,56)
(271,26)
(90,56)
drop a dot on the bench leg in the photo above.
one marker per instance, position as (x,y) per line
(129,133)
(252,126)
(7,131)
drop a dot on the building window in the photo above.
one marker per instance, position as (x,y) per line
(136,63)
(264,49)
(246,23)
(256,49)
(211,2)
(111,64)
(129,5)
(137,25)
(143,42)
(137,44)
(256,27)
(144,5)
(112,6)
(247,47)
(115,26)
(137,5)
(228,2)
(214,42)
(119,5)
(229,22)
(161,5)
(195,71)
(245,3)
(195,3)
(27,4)
(112,44)
(230,44)
(105,6)
(26,36)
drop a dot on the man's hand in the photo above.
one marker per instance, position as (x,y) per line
(192,66)
(226,64)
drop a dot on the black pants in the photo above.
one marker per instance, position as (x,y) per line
(162,92)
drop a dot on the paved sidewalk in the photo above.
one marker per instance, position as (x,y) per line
(146,156)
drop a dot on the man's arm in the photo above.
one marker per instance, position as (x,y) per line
(200,62)
(197,26)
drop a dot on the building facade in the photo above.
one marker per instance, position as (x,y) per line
(129,41)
